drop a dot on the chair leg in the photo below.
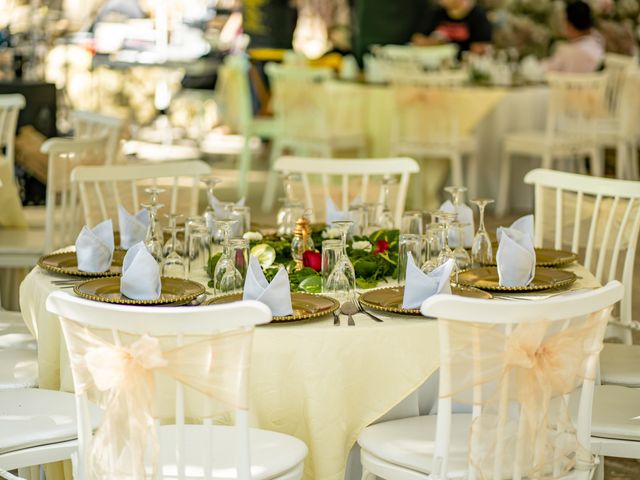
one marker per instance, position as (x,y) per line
(633,161)
(599,472)
(622,164)
(366,475)
(547,160)
(456,169)
(472,175)
(597,162)
(272,177)
(245,167)
(503,187)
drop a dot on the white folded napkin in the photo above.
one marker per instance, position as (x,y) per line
(465,215)
(516,258)
(133,228)
(335,215)
(523,225)
(94,247)
(140,274)
(218,206)
(419,285)
(275,295)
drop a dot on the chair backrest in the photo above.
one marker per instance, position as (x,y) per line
(629,105)
(577,104)
(207,349)
(597,217)
(62,213)
(516,363)
(346,170)
(233,93)
(616,67)
(103,188)
(92,124)
(10,106)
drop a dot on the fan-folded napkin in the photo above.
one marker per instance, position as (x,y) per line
(335,215)
(94,247)
(275,295)
(465,216)
(523,225)
(516,259)
(419,285)
(219,209)
(140,274)
(133,228)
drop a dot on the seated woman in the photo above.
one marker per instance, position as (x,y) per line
(584,52)
(456,21)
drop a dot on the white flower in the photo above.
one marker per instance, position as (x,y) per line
(362,245)
(252,236)
(331,233)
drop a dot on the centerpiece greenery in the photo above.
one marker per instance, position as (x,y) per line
(374,257)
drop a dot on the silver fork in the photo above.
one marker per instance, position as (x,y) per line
(362,310)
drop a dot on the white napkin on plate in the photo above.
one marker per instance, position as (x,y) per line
(516,258)
(275,295)
(133,228)
(94,247)
(335,215)
(419,285)
(465,215)
(218,206)
(523,225)
(140,274)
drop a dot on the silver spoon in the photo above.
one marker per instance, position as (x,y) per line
(348,309)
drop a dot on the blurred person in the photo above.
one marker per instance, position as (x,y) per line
(461,22)
(584,51)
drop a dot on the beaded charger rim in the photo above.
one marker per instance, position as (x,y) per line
(479,278)
(170,286)
(51,262)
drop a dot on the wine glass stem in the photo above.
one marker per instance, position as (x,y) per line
(481,226)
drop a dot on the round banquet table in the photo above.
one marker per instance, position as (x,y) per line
(320,383)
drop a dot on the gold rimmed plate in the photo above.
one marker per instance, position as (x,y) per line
(486,278)
(547,257)
(305,305)
(66,263)
(389,299)
(107,289)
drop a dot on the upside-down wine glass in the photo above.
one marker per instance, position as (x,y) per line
(463,260)
(342,280)
(173,264)
(226,277)
(173,243)
(153,239)
(481,250)
(386,217)
(209,214)
(457,194)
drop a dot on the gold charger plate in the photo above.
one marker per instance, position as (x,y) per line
(107,289)
(486,278)
(389,299)
(547,257)
(67,263)
(305,305)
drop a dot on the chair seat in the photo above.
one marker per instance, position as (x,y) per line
(34,417)
(18,368)
(620,365)
(537,142)
(410,442)
(616,412)
(335,141)
(464,144)
(272,454)
(21,247)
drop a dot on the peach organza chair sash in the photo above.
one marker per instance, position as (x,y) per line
(121,380)
(529,370)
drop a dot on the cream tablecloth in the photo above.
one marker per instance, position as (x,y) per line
(320,383)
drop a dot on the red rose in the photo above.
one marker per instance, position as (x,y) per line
(312,259)
(381,247)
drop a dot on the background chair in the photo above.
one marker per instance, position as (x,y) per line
(211,332)
(103,188)
(355,177)
(577,106)
(92,124)
(474,334)
(10,106)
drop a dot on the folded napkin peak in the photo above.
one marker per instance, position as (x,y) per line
(465,215)
(419,285)
(275,295)
(523,225)
(94,247)
(218,206)
(334,215)
(133,228)
(140,274)
(516,258)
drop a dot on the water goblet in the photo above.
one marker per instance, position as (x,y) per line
(457,199)
(173,242)
(481,250)
(173,264)
(331,251)
(199,252)
(408,244)
(153,238)
(411,223)
(154,193)
(432,247)
(226,277)
(463,260)
(342,280)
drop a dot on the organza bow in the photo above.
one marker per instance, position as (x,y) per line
(535,369)
(121,380)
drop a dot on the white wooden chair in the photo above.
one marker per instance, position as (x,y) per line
(233,93)
(103,188)
(439,446)
(577,105)
(23,247)
(363,171)
(93,124)
(10,106)
(204,450)
(316,116)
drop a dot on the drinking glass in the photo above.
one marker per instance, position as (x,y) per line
(411,223)
(432,247)
(153,239)
(360,216)
(173,264)
(342,280)
(481,250)
(386,217)
(408,244)
(240,254)
(209,214)
(372,213)
(446,253)
(331,251)
(457,198)
(288,214)
(199,249)
(226,278)
(243,214)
